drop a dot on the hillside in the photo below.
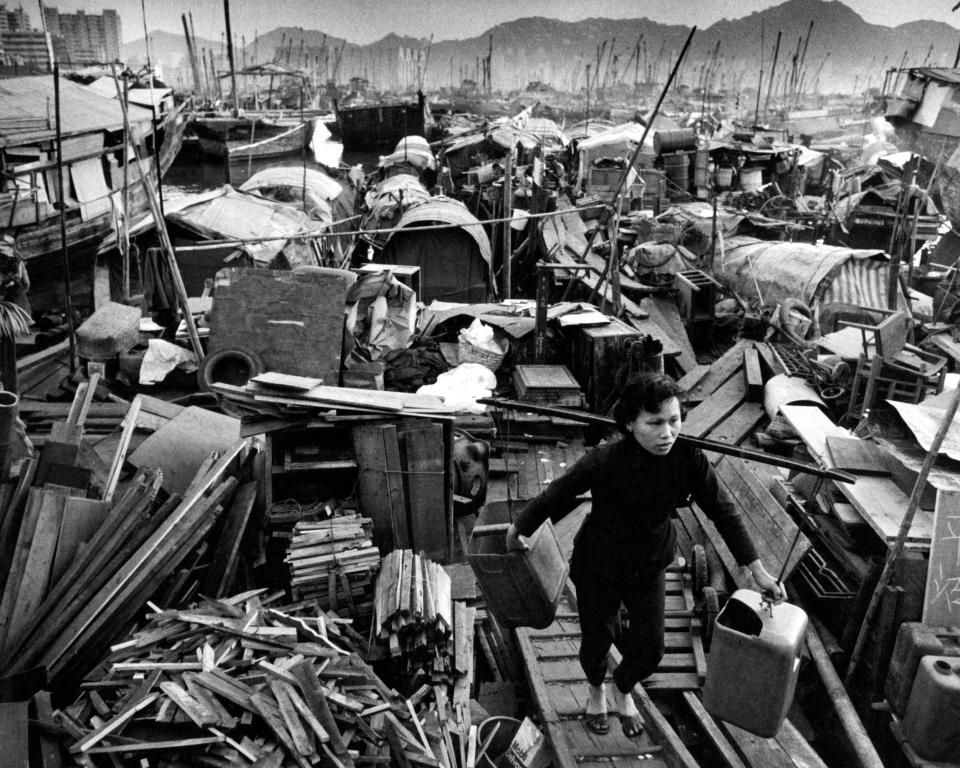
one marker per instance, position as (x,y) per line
(843,49)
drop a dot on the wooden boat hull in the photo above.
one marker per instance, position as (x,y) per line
(40,243)
(381,125)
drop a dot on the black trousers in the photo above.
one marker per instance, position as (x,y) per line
(641,642)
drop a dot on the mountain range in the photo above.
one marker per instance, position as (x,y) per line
(843,51)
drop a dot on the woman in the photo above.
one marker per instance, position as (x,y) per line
(621,552)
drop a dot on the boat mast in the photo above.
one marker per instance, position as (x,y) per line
(233,69)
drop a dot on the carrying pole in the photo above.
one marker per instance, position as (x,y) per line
(611,206)
(703,443)
(895,551)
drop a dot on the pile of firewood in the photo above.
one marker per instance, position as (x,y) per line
(334,562)
(243,681)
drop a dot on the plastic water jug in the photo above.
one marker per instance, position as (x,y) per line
(754,661)
(522,589)
(931,722)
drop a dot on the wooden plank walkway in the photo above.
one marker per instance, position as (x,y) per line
(560,689)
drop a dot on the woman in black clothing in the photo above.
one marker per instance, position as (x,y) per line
(625,544)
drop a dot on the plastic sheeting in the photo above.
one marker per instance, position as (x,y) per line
(773,271)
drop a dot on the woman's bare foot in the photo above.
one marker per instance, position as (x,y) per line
(630,719)
(596,718)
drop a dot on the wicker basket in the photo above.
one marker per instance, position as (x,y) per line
(469,353)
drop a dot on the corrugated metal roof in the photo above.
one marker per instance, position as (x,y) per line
(27,110)
(446,210)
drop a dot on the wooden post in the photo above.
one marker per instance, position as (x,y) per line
(897,547)
(507,229)
(544,277)
(64,254)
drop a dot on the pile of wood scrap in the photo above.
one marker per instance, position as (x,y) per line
(334,561)
(271,396)
(76,571)
(245,681)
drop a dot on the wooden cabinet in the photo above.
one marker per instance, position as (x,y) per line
(596,356)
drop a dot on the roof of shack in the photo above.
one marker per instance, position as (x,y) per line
(27,110)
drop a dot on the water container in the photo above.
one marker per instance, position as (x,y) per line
(677,170)
(753,663)
(932,721)
(522,589)
(751,179)
(914,641)
(701,169)
(674,141)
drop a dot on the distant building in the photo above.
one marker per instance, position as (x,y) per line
(13,21)
(87,38)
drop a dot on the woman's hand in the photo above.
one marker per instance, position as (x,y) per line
(515,540)
(769,586)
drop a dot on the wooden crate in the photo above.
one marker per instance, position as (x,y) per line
(596,355)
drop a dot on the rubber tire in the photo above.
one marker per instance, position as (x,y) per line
(711,607)
(698,566)
(246,362)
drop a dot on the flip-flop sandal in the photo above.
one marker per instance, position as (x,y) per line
(632,726)
(597,722)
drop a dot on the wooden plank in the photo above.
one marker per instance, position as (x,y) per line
(224,561)
(380,485)
(38,568)
(81,520)
(425,482)
(13,734)
(799,749)
(878,500)
(663,311)
(726,751)
(756,750)
(129,424)
(862,457)
(752,375)
(772,529)
(692,377)
(720,372)
(941,602)
(721,403)
(738,426)
(20,554)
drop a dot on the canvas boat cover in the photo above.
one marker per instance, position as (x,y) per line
(816,274)
(229,214)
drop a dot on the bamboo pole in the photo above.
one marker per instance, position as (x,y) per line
(161,225)
(507,230)
(233,69)
(64,253)
(863,749)
(897,548)
(611,206)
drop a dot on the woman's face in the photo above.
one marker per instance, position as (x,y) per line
(657,431)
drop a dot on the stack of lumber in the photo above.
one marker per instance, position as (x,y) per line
(334,561)
(282,396)
(78,574)
(412,608)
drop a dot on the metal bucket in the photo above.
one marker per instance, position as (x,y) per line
(677,170)
(8,418)
(751,179)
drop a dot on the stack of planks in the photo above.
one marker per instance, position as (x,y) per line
(279,395)
(76,578)
(242,681)
(334,562)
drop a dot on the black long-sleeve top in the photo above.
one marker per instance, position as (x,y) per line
(629,530)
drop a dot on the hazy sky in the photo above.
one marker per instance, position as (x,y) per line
(363,21)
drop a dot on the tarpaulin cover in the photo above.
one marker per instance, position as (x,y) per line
(774,271)
(294,181)
(230,214)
